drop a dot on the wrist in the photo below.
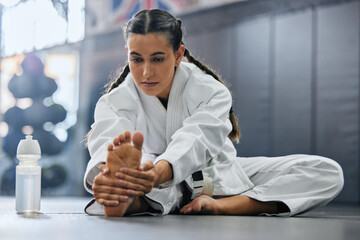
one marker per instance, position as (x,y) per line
(163,172)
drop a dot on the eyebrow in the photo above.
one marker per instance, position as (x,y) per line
(153,54)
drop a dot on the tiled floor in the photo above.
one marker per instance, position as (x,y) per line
(63,218)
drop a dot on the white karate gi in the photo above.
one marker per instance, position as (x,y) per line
(192,134)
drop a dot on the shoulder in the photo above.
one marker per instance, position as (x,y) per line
(203,87)
(123,97)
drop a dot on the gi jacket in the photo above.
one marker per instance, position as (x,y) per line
(191,134)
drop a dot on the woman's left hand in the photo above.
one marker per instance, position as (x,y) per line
(138,182)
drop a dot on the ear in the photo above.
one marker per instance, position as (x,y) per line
(179,55)
(126,48)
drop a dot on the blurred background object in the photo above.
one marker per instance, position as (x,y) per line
(293,67)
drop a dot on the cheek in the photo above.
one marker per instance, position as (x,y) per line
(168,70)
(135,70)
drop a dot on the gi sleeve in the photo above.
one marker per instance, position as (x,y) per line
(203,133)
(114,114)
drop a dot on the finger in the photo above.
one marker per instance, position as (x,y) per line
(105,181)
(132,179)
(103,189)
(137,174)
(135,187)
(108,203)
(147,165)
(126,181)
(133,193)
(104,169)
(110,197)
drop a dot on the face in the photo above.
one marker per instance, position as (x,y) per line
(152,63)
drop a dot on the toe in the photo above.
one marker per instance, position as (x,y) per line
(138,140)
(127,136)
(110,147)
(116,141)
(122,138)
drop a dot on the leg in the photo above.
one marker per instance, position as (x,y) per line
(123,154)
(301,182)
(293,184)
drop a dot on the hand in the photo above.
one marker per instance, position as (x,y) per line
(138,182)
(107,191)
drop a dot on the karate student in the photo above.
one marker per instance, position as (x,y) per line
(161,140)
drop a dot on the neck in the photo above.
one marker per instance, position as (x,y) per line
(164,101)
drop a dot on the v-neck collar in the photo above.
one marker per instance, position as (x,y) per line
(175,115)
(171,118)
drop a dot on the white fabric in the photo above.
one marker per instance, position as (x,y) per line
(192,134)
(302,182)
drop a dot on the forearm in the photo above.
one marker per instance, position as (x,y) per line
(163,171)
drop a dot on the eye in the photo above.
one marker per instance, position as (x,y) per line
(137,60)
(158,59)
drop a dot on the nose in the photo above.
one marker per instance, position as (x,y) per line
(148,71)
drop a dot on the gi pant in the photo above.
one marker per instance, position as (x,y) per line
(302,182)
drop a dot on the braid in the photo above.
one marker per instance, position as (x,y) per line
(200,65)
(110,86)
(124,72)
(234,135)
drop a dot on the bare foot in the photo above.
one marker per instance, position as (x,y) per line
(201,205)
(235,205)
(123,154)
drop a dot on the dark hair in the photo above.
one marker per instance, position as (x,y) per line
(160,21)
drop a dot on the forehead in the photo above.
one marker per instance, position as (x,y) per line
(148,42)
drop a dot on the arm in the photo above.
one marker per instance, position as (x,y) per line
(163,172)
(110,120)
(201,137)
(204,131)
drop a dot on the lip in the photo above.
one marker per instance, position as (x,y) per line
(149,84)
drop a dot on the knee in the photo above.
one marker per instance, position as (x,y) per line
(333,172)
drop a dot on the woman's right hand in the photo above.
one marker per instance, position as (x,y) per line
(107,191)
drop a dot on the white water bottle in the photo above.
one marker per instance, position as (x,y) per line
(28,176)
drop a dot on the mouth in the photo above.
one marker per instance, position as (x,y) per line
(149,84)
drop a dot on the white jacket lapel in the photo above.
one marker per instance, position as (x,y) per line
(175,109)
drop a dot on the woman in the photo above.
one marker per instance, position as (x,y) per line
(181,118)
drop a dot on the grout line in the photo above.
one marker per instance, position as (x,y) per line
(314,82)
(272,63)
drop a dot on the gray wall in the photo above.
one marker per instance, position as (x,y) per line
(295,79)
(293,68)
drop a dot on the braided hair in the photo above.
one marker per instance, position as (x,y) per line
(160,21)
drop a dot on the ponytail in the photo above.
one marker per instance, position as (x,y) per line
(234,135)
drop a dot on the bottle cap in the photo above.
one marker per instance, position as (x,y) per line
(28,146)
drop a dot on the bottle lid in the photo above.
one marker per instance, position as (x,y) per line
(29,146)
